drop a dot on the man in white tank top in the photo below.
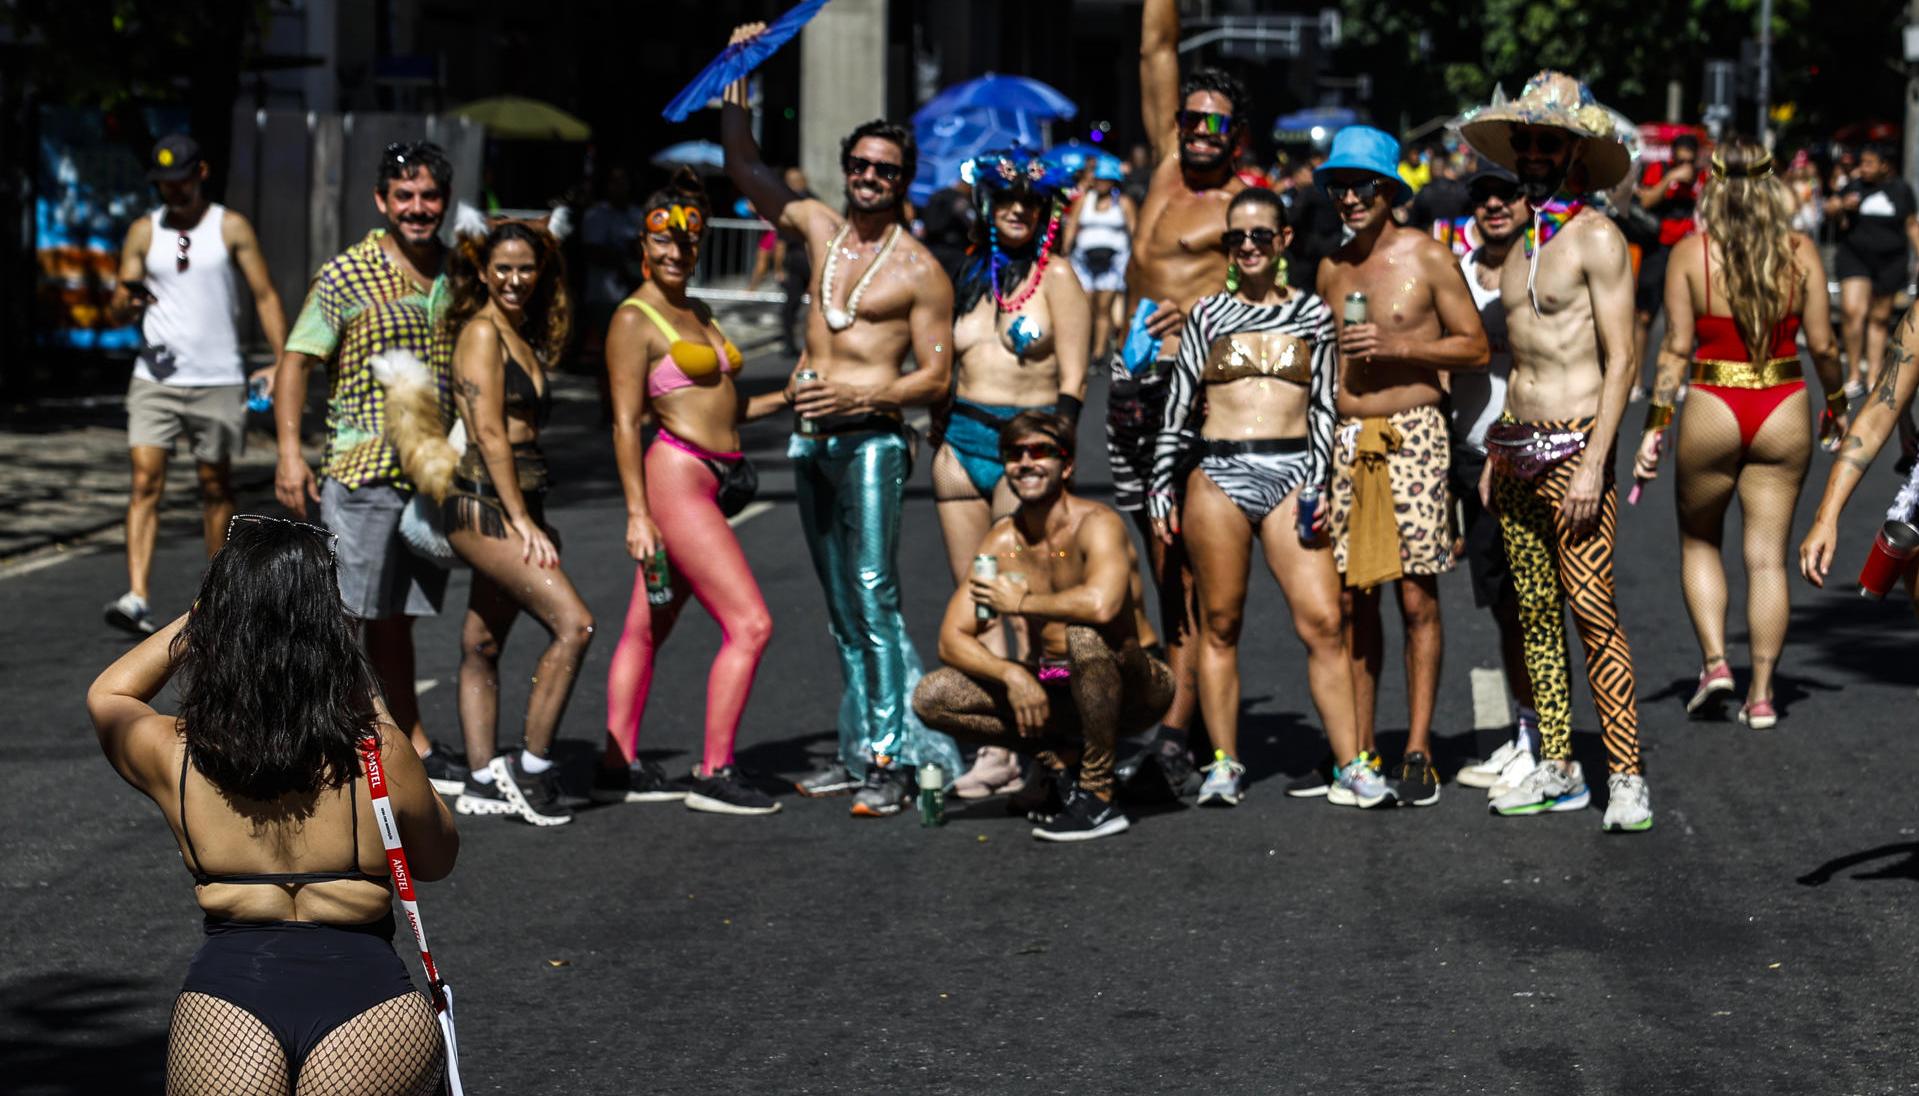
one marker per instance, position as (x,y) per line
(176,281)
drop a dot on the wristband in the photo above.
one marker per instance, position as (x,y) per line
(1837,402)
(1658,416)
(1069,406)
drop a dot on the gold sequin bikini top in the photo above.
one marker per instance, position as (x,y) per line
(1260,354)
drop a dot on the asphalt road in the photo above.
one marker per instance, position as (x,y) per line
(1753,941)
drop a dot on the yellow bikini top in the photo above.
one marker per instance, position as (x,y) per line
(1260,354)
(694,359)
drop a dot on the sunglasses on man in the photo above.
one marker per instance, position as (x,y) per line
(1204,121)
(855,166)
(1481,193)
(181,261)
(1030,450)
(1546,144)
(1262,238)
(1365,191)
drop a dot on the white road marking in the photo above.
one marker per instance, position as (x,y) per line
(47,557)
(753,510)
(1490,710)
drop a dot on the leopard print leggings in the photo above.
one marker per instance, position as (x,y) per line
(1552,568)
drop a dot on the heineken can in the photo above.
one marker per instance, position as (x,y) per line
(1355,307)
(801,379)
(986,567)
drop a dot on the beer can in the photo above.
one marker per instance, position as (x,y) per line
(1355,307)
(801,379)
(987,567)
(1307,510)
(932,799)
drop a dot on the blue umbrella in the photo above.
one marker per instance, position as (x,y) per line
(994,92)
(739,59)
(946,143)
(704,155)
(1316,124)
(1073,156)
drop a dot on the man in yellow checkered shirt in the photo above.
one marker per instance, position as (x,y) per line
(385,292)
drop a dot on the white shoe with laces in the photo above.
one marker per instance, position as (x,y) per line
(1484,774)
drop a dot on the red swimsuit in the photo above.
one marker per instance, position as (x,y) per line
(1723,366)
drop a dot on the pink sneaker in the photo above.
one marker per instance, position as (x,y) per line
(995,771)
(1706,699)
(1758,714)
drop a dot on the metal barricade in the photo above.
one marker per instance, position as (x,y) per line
(727,255)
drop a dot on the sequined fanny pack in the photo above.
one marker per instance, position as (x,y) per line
(1526,451)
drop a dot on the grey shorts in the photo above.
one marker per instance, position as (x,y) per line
(380,577)
(214,419)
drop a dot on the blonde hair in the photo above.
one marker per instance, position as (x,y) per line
(1747,210)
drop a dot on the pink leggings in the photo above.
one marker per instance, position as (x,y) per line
(707,563)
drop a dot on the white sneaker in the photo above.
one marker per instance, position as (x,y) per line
(1629,804)
(1547,789)
(129,612)
(1517,769)
(1484,774)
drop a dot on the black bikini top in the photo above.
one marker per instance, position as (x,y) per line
(201,877)
(524,398)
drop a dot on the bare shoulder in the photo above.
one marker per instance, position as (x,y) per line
(478,343)
(140,232)
(1098,523)
(235,228)
(1430,254)
(1600,241)
(814,219)
(1000,537)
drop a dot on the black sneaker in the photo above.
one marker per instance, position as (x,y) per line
(1315,784)
(1085,818)
(478,798)
(726,793)
(882,794)
(446,772)
(1414,782)
(1176,762)
(535,796)
(835,779)
(640,782)
(1044,794)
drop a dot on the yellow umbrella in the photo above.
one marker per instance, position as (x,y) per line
(515,119)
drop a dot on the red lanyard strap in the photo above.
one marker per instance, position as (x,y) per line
(396,862)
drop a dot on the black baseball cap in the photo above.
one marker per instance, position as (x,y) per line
(1489,170)
(176,157)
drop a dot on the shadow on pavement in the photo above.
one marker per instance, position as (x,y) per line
(80,1033)
(1907,869)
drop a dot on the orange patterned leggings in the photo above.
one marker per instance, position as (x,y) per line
(1553,568)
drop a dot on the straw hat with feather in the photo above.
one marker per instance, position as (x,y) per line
(1562,102)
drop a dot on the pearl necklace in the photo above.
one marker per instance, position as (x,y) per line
(840,319)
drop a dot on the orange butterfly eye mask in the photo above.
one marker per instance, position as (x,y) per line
(687,219)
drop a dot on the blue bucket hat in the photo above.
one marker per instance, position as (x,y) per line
(1109,168)
(1363,148)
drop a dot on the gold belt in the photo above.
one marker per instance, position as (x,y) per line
(1730,374)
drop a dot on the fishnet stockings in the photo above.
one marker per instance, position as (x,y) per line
(217,1048)
(1767,478)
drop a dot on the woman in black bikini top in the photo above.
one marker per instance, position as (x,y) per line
(296,986)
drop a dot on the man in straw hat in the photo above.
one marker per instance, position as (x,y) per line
(1569,317)
(1407,317)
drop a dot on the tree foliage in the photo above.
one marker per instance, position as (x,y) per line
(1437,57)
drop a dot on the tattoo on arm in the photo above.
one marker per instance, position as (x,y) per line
(467,388)
(1896,356)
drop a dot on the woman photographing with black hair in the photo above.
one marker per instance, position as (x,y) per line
(297,986)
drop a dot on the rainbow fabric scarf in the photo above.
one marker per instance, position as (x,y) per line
(1549,217)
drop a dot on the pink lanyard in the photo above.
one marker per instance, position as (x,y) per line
(403,886)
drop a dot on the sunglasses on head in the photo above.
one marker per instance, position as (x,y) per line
(328,535)
(1365,191)
(1481,193)
(1262,238)
(687,219)
(1546,144)
(1204,121)
(1030,450)
(859,165)
(401,152)
(180,260)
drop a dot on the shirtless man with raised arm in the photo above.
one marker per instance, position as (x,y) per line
(1390,518)
(1549,468)
(879,295)
(1066,578)
(1197,128)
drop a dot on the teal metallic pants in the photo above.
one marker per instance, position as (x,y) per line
(850,488)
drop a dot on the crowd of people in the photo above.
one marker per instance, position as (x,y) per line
(1367,406)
